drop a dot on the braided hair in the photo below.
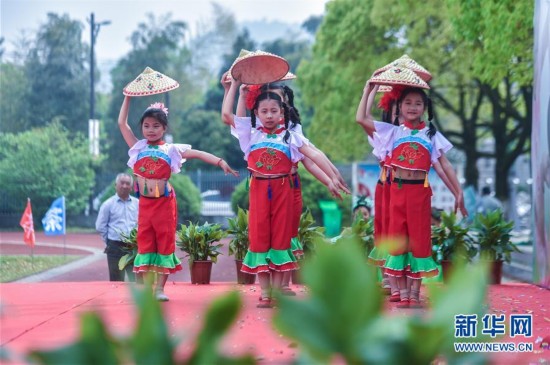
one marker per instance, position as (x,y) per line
(268,95)
(427,105)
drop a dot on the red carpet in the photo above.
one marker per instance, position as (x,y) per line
(45,315)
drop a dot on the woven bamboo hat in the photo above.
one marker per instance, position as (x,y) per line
(259,67)
(399,76)
(406,61)
(150,82)
(242,53)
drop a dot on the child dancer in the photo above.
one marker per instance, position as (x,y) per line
(413,148)
(153,161)
(270,151)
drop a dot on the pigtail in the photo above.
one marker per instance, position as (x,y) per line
(396,121)
(431,130)
(253,119)
(287,121)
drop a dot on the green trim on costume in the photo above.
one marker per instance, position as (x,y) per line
(378,255)
(280,257)
(295,244)
(255,259)
(156,259)
(424,264)
(398,263)
(277,257)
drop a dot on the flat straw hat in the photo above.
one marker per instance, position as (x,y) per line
(259,67)
(150,82)
(242,53)
(289,76)
(406,61)
(399,76)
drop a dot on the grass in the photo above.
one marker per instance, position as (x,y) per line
(14,267)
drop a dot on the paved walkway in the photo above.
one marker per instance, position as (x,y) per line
(93,267)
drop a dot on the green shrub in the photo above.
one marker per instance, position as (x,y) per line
(239,198)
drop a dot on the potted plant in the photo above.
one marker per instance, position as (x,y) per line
(200,243)
(308,235)
(493,235)
(362,229)
(238,246)
(130,239)
(451,240)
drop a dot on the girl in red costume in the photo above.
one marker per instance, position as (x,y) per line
(153,161)
(413,148)
(270,151)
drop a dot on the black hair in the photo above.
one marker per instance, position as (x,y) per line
(289,100)
(363,201)
(269,95)
(155,113)
(427,104)
(486,190)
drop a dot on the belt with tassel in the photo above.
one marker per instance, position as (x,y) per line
(151,188)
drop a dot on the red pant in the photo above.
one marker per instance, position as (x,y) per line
(410,213)
(271,214)
(157,219)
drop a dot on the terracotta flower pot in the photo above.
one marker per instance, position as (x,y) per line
(243,277)
(446,268)
(495,273)
(200,272)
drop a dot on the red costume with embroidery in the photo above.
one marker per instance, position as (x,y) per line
(157,217)
(410,203)
(271,195)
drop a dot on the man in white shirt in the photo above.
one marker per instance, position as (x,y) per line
(118,214)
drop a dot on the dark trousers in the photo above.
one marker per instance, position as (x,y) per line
(114,252)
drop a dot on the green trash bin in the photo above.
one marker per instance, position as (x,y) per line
(332,217)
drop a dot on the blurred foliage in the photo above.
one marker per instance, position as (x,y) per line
(360,229)
(344,317)
(150,342)
(43,164)
(240,196)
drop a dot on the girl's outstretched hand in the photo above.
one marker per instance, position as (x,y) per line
(227,169)
(459,205)
(341,184)
(334,190)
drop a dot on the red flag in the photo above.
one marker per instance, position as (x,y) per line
(28,225)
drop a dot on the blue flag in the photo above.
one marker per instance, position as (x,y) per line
(54,220)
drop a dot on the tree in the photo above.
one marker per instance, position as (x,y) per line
(57,77)
(332,80)
(499,38)
(13,108)
(63,167)
(160,44)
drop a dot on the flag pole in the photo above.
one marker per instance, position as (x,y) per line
(64,229)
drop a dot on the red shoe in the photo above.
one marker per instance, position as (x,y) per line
(403,303)
(395,297)
(415,303)
(265,303)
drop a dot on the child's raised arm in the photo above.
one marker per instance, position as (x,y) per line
(125,129)
(227,106)
(210,159)
(363,115)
